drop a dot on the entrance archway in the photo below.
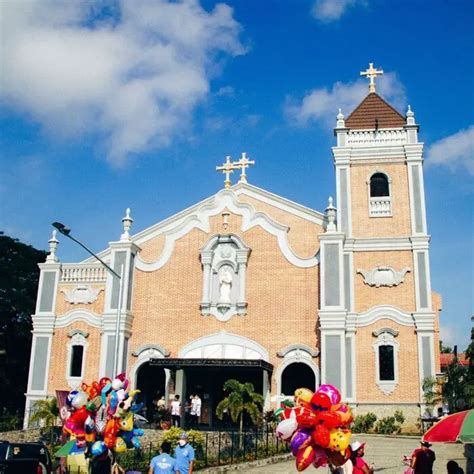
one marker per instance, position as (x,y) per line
(151,383)
(297,375)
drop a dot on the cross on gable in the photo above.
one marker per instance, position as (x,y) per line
(243,164)
(227,168)
(371,74)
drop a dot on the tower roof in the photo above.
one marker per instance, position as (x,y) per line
(374,112)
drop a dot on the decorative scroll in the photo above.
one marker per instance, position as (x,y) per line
(82,294)
(383,276)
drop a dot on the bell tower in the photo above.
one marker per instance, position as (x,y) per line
(381,224)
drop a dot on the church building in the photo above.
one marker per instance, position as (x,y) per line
(250,285)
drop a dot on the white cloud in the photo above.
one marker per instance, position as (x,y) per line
(448,335)
(455,151)
(321,105)
(226,91)
(331,10)
(134,78)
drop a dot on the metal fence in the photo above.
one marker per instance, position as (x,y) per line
(217,449)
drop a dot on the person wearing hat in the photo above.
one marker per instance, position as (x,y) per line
(422,459)
(359,465)
(184,456)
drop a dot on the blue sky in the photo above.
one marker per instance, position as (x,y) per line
(105,105)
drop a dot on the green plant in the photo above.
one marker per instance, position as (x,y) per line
(241,398)
(390,424)
(195,438)
(431,393)
(364,423)
(45,411)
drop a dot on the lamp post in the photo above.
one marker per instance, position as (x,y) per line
(67,232)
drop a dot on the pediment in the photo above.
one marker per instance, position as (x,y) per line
(198,217)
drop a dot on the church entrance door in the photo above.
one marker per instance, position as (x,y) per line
(297,375)
(208,383)
(151,382)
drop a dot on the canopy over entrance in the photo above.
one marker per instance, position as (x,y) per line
(183,363)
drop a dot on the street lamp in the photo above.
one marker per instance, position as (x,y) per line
(67,232)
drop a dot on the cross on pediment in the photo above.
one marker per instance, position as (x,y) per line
(227,168)
(243,164)
(371,73)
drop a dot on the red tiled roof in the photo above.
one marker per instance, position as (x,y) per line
(374,112)
(446,359)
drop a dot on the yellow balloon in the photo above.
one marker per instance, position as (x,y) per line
(339,440)
(120,445)
(303,396)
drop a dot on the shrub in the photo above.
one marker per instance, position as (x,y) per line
(364,423)
(390,424)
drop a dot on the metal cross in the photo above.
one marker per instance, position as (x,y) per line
(371,74)
(227,168)
(243,164)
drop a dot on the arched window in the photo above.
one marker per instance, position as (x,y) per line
(380,204)
(379,185)
(386,359)
(296,375)
(76,348)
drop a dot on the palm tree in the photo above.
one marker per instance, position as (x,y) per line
(240,398)
(46,411)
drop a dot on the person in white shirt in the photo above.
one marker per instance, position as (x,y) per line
(195,411)
(176,411)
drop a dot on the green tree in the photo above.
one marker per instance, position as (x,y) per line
(469,388)
(19,274)
(45,411)
(455,389)
(431,393)
(445,349)
(241,398)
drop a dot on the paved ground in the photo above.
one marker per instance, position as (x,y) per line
(386,453)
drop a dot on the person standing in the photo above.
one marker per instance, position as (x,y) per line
(184,455)
(422,459)
(359,466)
(164,463)
(176,411)
(197,404)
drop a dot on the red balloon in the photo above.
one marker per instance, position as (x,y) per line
(320,401)
(306,418)
(304,458)
(344,412)
(330,419)
(321,436)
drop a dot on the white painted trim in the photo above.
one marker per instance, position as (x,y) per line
(417,281)
(280,202)
(144,357)
(76,340)
(353,368)
(76,315)
(377,244)
(385,312)
(224,338)
(327,239)
(386,339)
(175,220)
(250,218)
(293,358)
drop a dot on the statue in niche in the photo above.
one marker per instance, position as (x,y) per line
(225,284)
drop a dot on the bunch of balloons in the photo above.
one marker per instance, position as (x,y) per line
(102,416)
(317,427)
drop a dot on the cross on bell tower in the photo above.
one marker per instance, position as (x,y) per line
(371,74)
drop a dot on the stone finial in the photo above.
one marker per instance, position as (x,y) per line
(127,224)
(331,216)
(53,245)
(410,116)
(340,120)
